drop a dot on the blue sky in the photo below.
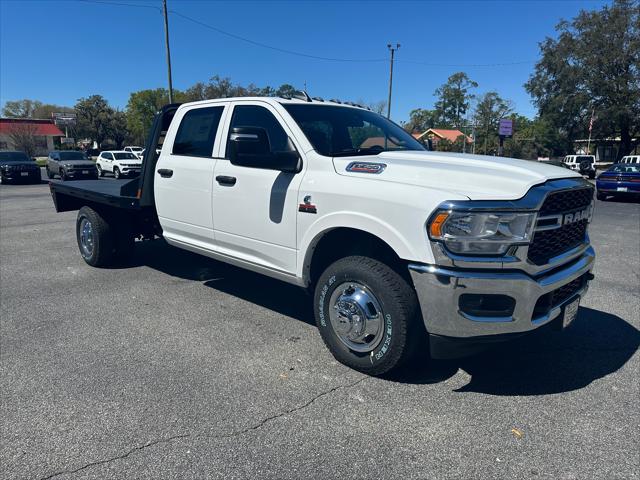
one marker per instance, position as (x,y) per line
(58,51)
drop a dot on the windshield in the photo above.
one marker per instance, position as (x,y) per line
(72,156)
(125,156)
(135,149)
(628,168)
(14,157)
(341,131)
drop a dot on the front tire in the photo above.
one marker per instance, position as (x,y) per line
(63,175)
(100,171)
(116,172)
(368,315)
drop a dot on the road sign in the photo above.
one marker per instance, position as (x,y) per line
(506,127)
(64,119)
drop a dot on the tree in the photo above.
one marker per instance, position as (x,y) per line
(454,99)
(285,90)
(143,106)
(20,108)
(94,117)
(23,137)
(27,108)
(490,109)
(593,65)
(421,120)
(118,130)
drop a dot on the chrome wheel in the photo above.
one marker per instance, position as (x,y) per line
(356,317)
(87,240)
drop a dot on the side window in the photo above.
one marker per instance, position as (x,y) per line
(197,132)
(109,156)
(255,116)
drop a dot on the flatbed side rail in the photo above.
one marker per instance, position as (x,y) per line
(68,197)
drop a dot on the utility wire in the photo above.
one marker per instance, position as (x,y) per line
(271,47)
(302,54)
(119,4)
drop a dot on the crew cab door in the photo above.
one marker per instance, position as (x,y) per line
(183,175)
(255,209)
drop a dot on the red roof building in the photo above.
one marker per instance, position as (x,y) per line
(43,131)
(437,134)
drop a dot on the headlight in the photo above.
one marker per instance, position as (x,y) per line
(488,233)
(68,165)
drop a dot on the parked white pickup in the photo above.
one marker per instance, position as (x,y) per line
(395,242)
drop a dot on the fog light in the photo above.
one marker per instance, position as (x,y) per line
(479,305)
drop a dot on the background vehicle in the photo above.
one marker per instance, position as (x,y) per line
(120,163)
(585,164)
(18,167)
(630,159)
(555,164)
(397,245)
(137,151)
(92,153)
(621,180)
(70,165)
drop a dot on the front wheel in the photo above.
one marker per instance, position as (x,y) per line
(368,315)
(116,172)
(63,174)
(100,172)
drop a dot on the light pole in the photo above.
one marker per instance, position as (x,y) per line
(392,49)
(166,40)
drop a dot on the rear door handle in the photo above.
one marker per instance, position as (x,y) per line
(224,180)
(165,172)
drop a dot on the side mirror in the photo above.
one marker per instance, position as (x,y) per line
(250,147)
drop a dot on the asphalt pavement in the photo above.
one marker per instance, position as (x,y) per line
(182,367)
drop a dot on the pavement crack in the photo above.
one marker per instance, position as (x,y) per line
(257,426)
(266,420)
(117,457)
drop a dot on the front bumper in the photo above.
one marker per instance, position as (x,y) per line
(618,188)
(80,173)
(439,290)
(17,176)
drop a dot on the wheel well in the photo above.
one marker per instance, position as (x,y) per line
(343,242)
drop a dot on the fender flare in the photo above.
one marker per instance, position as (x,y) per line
(353,220)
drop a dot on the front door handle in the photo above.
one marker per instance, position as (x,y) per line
(165,172)
(224,180)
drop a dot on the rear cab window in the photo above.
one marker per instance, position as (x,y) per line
(197,132)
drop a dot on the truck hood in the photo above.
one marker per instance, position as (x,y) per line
(477,177)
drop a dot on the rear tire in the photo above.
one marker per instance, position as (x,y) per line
(96,238)
(368,315)
(601,196)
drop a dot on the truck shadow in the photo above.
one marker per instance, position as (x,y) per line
(541,363)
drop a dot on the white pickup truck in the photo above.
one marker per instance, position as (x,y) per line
(402,248)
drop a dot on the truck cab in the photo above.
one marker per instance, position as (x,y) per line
(403,249)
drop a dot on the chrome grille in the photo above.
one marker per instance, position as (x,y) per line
(547,244)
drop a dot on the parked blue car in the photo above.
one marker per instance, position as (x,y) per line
(621,180)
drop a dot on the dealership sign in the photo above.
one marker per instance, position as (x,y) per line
(506,127)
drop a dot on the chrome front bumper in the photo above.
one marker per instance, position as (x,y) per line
(439,290)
